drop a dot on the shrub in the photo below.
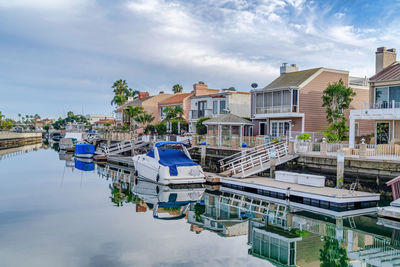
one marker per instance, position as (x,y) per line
(304,137)
(161,128)
(150,129)
(183,124)
(200,127)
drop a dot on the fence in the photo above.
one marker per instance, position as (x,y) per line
(228,141)
(383,151)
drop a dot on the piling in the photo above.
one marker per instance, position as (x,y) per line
(203,155)
(340,169)
(272,166)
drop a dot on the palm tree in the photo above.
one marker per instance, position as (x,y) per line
(133,93)
(120,87)
(132,113)
(177,88)
(118,100)
(173,113)
(144,118)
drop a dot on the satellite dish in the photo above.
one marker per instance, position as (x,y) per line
(254,85)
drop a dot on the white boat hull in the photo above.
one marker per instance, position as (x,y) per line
(84,155)
(149,169)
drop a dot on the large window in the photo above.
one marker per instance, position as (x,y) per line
(276,102)
(215,107)
(222,107)
(385,96)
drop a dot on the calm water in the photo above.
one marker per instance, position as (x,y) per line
(53,214)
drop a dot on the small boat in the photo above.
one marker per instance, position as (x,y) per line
(84,150)
(168,163)
(56,137)
(84,164)
(70,139)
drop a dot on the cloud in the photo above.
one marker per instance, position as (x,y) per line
(84,45)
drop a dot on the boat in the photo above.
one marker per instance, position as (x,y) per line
(84,150)
(84,164)
(56,137)
(167,202)
(68,142)
(168,163)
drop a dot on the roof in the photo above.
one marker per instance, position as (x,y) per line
(105,121)
(228,119)
(222,94)
(175,99)
(294,79)
(390,73)
(133,103)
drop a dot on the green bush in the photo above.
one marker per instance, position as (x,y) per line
(200,127)
(304,137)
(161,128)
(150,129)
(184,126)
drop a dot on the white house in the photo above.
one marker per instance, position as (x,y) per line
(213,105)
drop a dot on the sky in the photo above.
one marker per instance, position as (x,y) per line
(62,55)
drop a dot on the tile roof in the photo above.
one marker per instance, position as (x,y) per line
(227,119)
(175,99)
(390,73)
(292,78)
(133,103)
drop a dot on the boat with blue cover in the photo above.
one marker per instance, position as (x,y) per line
(84,150)
(84,164)
(168,163)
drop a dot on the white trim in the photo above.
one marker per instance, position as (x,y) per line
(279,115)
(279,121)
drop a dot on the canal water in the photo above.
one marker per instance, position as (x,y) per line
(56,211)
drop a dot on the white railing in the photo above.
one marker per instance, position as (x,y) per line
(385,104)
(256,158)
(276,109)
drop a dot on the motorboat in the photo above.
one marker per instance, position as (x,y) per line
(168,163)
(167,202)
(70,139)
(84,150)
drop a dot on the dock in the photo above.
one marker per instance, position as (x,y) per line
(120,160)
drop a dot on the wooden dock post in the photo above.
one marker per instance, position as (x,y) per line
(272,166)
(363,149)
(324,147)
(203,155)
(133,144)
(340,169)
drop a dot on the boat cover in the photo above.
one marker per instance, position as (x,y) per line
(84,166)
(172,158)
(158,144)
(84,149)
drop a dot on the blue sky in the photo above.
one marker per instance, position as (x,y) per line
(61,55)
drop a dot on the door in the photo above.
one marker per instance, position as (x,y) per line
(202,108)
(262,128)
(382,133)
(280,128)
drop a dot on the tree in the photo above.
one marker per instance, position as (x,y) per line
(173,113)
(132,113)
(46,128)
(70,114)
(118,100)
(177,88)
(144,118)
(122,92)
(336,98)
(200,127)
(332,254)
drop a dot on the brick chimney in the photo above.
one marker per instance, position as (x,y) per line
(384,57)
(200,88)
(143,95)
(286,68)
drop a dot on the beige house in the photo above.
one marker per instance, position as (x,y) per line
(149,103)
(384,105)
(292,103)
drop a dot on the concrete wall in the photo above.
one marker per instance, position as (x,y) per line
(13,135)
(240,104)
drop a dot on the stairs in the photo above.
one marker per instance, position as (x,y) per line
(254,160)
(121,147)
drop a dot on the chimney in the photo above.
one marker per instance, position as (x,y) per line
(286,68)
(384,57)
(200,88)
(143,95)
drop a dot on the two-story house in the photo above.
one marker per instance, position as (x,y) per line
(292,103)
(183,99)
(227,100)
(384,104)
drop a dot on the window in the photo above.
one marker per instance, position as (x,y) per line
(357,129)
(295,98)
(215,107)
(222,107)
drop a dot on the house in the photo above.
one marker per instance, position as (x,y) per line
(384,105)
(213,105)
(292,103)
(93,118)
(149,104)
(104,123)
(183,99)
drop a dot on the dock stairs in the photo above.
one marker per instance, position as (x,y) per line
(255,160)
(120,147)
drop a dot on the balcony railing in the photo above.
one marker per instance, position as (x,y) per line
(385,104)
(196,114)
(276,109)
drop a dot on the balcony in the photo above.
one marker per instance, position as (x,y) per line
(276,109)
(197,114)
(385,105)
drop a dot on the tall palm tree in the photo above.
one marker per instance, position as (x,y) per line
(144,118)
(120,87)
(177,88)
(173,113)
(118,100)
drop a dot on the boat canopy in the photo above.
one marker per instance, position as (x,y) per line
(159,144)
(172,158)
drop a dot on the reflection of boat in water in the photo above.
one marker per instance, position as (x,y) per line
(84,150)
(84,164)
(68,142)
(168,203)
(168,163)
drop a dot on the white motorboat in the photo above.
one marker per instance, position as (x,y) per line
(167,202)
(168,163)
